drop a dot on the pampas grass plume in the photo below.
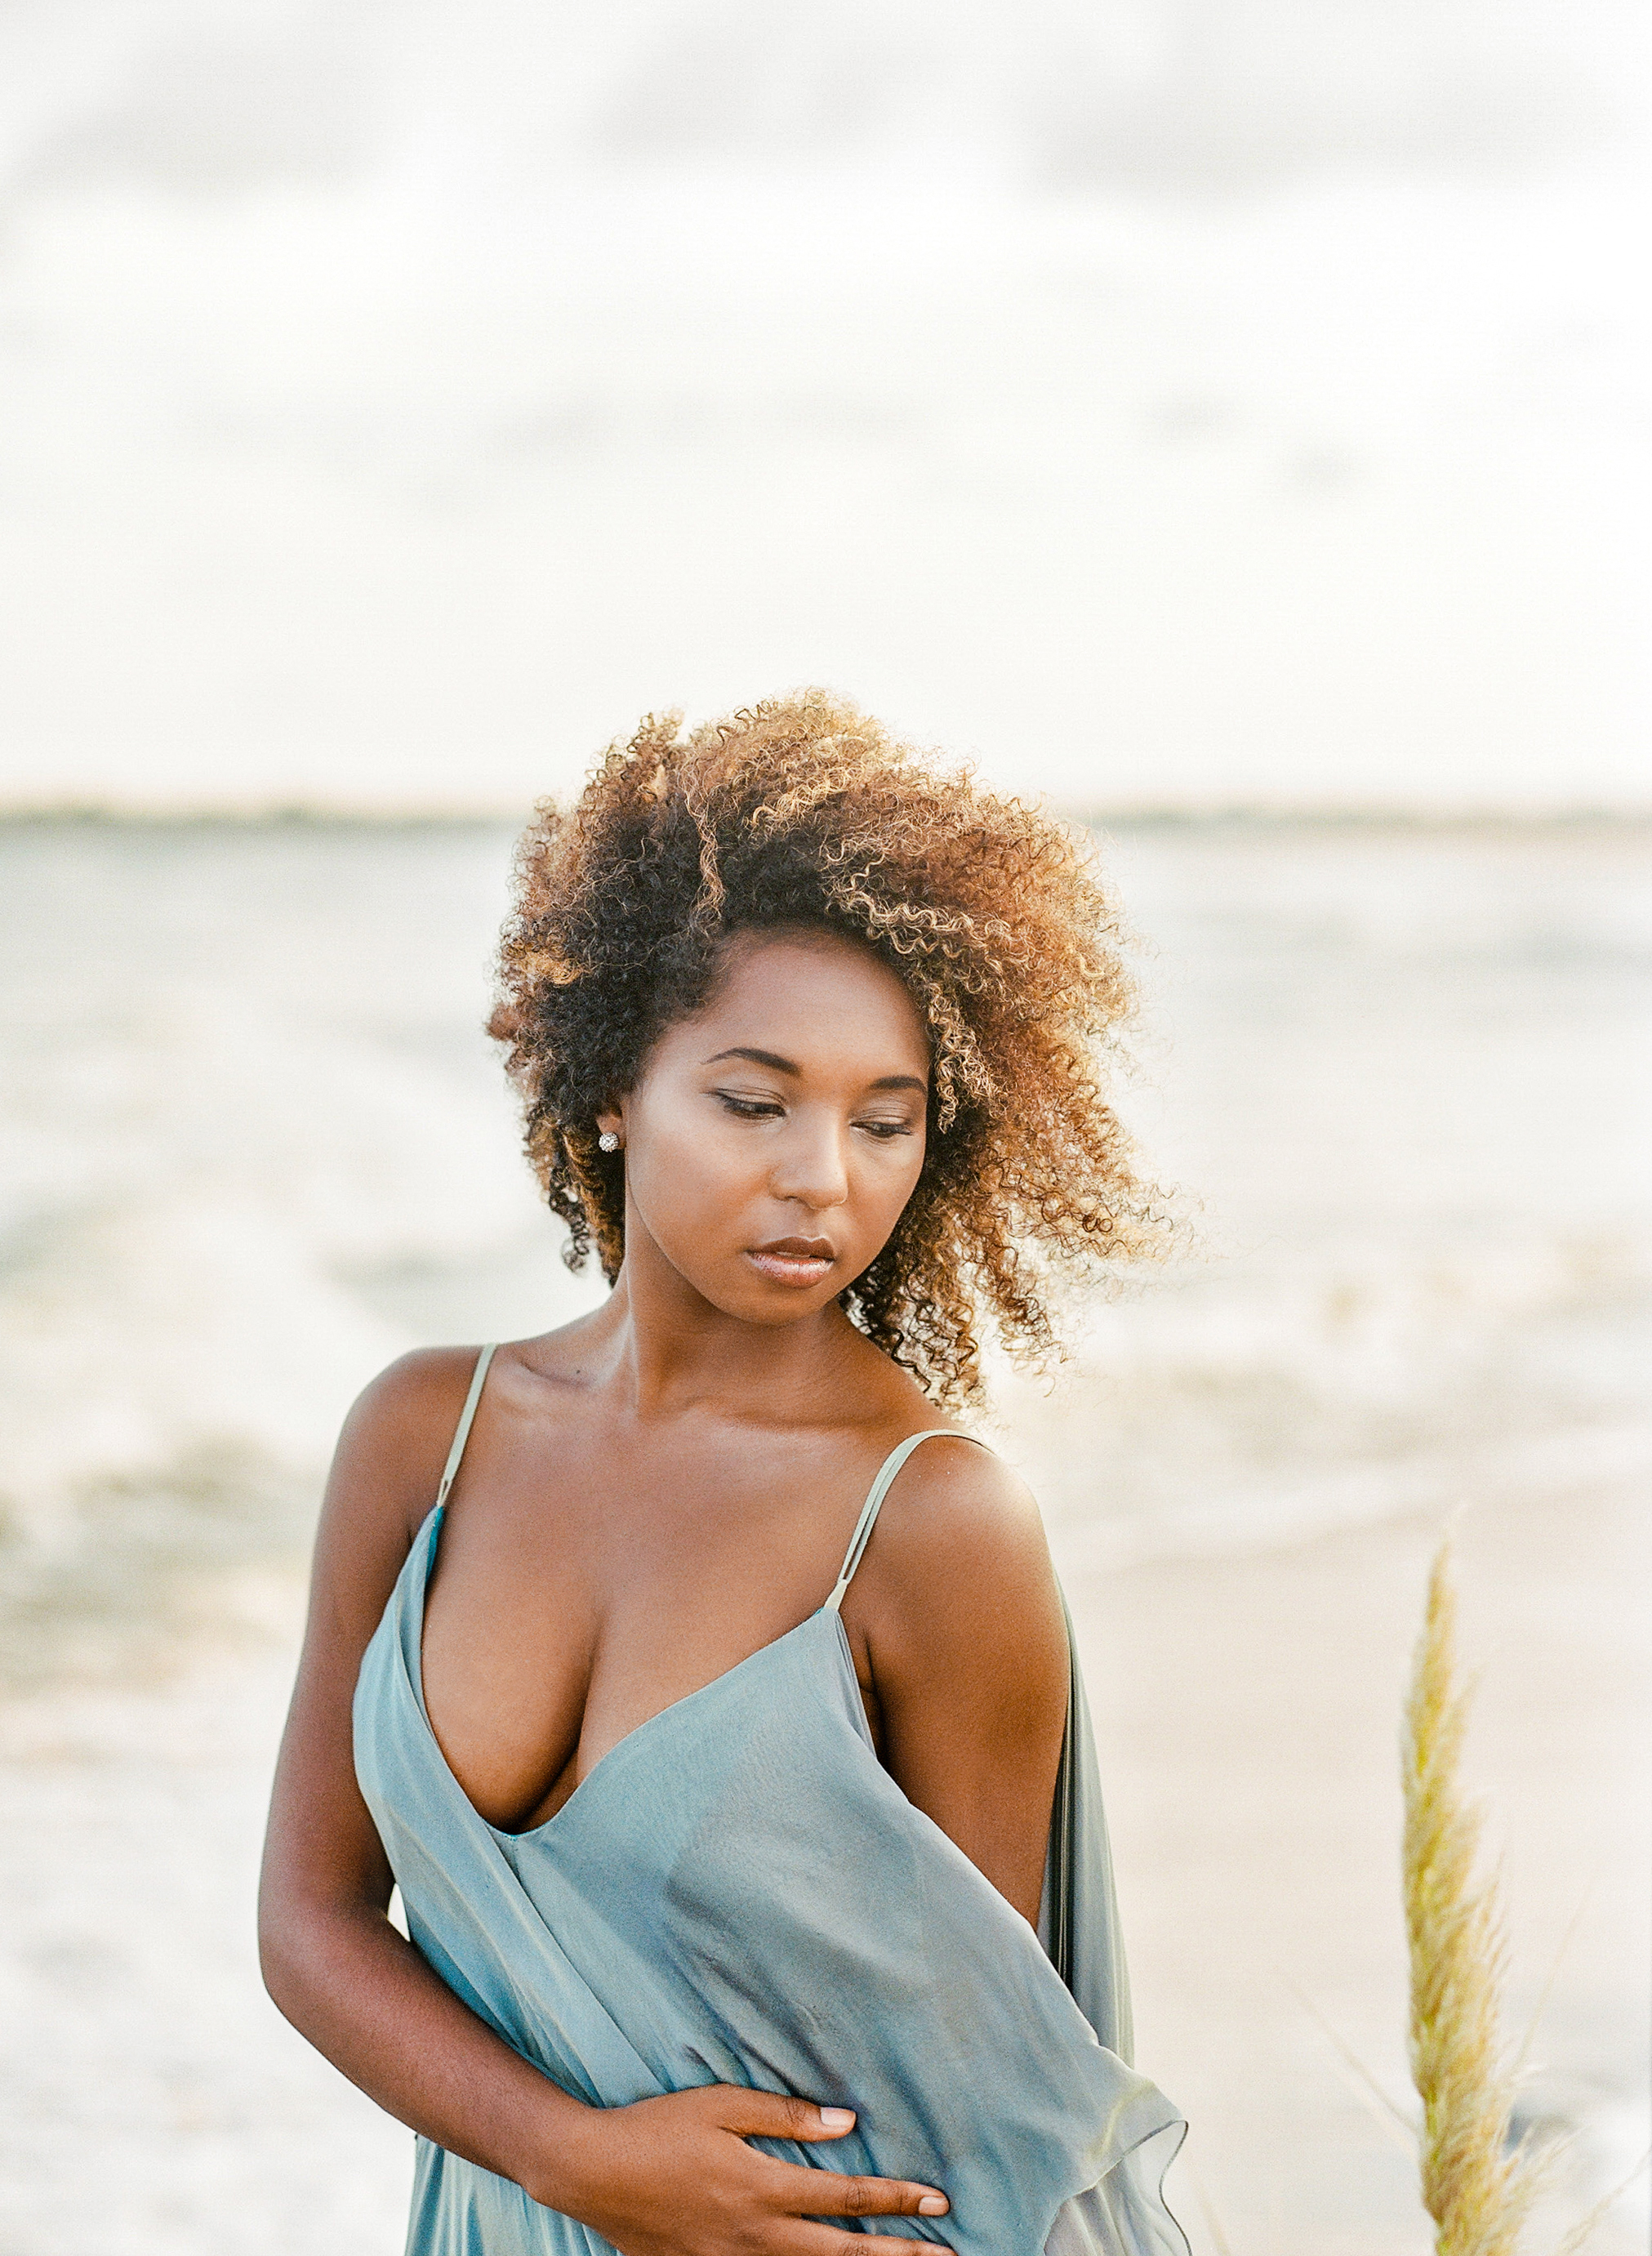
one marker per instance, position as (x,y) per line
(1476,2188)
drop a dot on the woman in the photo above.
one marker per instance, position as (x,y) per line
(711,1692)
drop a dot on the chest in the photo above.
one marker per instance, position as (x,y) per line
(569,1605)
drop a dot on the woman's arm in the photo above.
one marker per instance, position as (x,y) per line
(332,1961)
(667,2177)
(956,1621)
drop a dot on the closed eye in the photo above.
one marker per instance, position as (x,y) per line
(749,1107)
(884,1128)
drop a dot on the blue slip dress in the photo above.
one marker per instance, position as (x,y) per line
(739,1893)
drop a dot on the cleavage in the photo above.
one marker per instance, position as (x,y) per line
(532,1674)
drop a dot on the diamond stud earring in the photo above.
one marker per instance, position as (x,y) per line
(608,1141)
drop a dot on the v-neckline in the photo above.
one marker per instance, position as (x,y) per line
(424,1554)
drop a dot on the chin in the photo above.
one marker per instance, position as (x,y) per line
(756,1302)
(776,1310)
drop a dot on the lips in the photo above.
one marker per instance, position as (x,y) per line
(796,1261)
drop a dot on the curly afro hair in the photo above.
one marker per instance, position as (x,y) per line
(802,811)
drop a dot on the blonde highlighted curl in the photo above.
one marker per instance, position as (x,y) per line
(803,811)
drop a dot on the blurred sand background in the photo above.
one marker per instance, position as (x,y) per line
(1226,419)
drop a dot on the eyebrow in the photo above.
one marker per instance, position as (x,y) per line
(785,1064)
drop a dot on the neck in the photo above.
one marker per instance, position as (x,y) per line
(669,1350)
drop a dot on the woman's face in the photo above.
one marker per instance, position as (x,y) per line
(774,1138)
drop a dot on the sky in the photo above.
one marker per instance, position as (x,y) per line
(1187,404)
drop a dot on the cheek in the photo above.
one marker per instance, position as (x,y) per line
(880,1184)
(901,1183)
(683,1168)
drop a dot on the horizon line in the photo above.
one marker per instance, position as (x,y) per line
(1411,814)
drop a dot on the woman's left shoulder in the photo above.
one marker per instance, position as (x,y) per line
(960,1522)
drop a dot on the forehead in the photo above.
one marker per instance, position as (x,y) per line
(817,990)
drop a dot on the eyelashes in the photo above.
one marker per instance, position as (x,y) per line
(763,1108)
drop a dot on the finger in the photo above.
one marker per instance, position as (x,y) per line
(822,2193)
(827,2240)
(774,2115)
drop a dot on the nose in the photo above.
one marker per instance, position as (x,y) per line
(810,1168)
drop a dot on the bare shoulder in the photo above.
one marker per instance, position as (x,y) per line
(385,1473)
(957,1510)
(397,1435)
(958,1563)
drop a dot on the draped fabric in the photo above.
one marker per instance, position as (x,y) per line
(739,1893)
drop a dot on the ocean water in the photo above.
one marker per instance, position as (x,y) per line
(255,1144)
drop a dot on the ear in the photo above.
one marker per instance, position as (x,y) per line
(611,1121)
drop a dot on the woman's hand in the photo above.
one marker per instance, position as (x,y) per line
(674,2177)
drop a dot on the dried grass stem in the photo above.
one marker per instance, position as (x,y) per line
(1476,2188)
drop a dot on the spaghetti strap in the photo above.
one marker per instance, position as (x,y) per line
(462,1433)
(874,1503)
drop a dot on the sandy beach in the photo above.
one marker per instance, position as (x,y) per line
(1247,1714)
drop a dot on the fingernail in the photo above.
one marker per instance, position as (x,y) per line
(837,2118)
(933,2204)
